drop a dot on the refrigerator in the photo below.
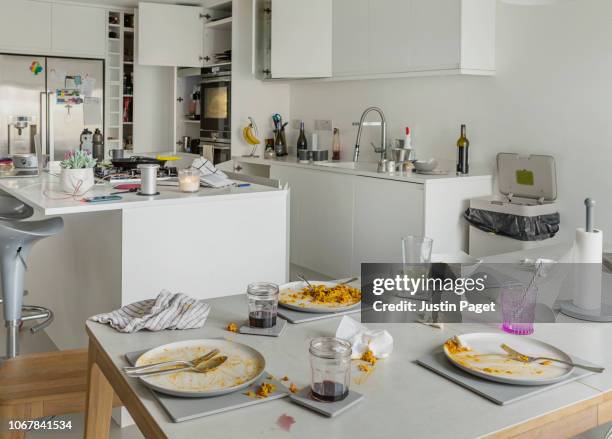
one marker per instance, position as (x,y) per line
(48,102)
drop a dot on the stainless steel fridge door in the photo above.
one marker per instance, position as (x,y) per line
(20,95)
(70,113)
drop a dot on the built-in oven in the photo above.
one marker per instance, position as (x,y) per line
(216,102)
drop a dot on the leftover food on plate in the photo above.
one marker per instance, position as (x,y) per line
(337,295)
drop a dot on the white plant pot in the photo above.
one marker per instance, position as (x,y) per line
(76,181)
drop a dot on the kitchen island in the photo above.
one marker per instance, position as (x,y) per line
(208,244)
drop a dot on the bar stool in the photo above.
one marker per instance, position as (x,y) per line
(16,241)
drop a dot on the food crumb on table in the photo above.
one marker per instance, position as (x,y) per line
(293,388)
(285,378)
(232,327)
(364,368)
(368,356)
(265,389)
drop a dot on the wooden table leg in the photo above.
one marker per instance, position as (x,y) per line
(99,399)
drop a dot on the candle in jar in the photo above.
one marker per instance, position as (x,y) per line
(189,180)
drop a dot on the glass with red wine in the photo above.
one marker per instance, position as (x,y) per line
(330,362)
(262,298)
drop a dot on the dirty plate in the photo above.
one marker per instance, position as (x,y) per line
(305,305)
(243,366)
(488,360)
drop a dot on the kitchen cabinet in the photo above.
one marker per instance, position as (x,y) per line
(78,30)
(25,26)
(169,35)
(384,211)
(301,39)
(321,218)
(392,38)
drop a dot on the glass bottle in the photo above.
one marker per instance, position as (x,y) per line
(336,146)
(463,145)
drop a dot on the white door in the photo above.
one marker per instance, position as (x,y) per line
(351,37)
(385,210)
(78,30)
(25,25)
(169,35)
(301,38)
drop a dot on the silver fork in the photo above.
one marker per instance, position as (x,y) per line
(201,367)
(186,363)
(527,359)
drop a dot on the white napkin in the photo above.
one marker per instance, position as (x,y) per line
(378,341)
(209,175)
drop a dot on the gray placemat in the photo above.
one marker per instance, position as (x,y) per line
(184,409)
(303,317)
(276,331)
(499,393)
(329,409)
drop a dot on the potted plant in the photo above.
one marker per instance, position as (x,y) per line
(77,175)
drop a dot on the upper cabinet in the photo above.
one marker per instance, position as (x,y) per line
(301,39)
(387,38)
(185,36)
(44,28)
(292,39)
(78,30)
(25,25)
(170,35)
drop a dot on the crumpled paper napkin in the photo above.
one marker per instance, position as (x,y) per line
(379,341)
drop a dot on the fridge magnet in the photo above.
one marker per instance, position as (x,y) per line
(36,68)
(68,96)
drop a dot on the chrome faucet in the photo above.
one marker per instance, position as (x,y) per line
(383,133)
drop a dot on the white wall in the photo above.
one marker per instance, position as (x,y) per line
(251,97)
(552,95)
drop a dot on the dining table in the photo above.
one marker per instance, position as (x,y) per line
(402,398)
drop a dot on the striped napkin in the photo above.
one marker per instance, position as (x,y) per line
(167,311)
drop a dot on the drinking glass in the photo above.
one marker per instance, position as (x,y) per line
(262,298)
(416,257)
(330,363)
(518,305)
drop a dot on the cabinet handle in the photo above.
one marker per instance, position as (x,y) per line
(267,72)
(237,168)
(205,16)
(179,99)
(204,58)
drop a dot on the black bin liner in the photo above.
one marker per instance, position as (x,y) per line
(522,228)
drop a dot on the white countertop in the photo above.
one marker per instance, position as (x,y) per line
(366,169)
(44,194)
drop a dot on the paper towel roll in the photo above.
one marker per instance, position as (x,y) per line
(588,249)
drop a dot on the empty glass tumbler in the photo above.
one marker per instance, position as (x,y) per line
(416,257)
(330,363)
(262,298)
(518,305)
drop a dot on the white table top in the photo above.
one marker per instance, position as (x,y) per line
(44,194)
(403,399)
(367,169)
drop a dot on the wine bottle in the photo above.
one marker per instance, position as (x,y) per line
(336,145)
(463,145)
(302,143)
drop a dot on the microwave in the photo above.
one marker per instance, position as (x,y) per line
(216,104)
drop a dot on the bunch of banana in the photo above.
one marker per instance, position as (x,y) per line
(251,133)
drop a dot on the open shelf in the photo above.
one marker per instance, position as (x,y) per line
(223,24)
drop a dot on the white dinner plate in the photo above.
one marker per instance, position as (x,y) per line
(489,361)
(307,305)
(243,366)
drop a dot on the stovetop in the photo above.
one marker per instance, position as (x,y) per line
(120,175)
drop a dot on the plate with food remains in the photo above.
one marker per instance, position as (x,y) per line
(243,366)
(323,297)
(481,354)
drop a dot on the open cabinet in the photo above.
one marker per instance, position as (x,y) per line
(292,39)
(184,36)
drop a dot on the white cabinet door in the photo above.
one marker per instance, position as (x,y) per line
(389,47)
(385,210)
(25,25)
(321,219)
(433,34)
(350,35)
(78,30)
(301,38)
(169,35)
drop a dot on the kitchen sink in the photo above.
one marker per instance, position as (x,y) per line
(360,166)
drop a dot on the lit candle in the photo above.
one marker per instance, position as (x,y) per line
(189,180)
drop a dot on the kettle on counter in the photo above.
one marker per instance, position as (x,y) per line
(86,140)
